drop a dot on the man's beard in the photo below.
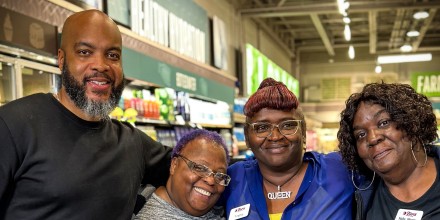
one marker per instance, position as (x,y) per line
(77,93)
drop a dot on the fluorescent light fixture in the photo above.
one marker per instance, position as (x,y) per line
(351,52)
(413,33)
(378,69)
(420,15)
(346,5)
(347,33)
(341,7)
(346,20)
(405,58)
(406,48)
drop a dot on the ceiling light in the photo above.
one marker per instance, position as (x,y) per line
(406,48)
(420,15)
(413,33)
(347,33)
(351,52)
(378,69)
(346,5)
(341,7)
(346,20)
(404,58)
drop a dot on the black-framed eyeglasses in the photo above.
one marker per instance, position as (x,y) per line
(204,171)
(265,129)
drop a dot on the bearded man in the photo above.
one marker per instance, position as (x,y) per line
(61,156)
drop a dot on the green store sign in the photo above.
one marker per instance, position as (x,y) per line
(144,68)
(259,67)
(427,83)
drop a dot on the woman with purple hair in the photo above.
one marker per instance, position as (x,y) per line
(283,181)
(197,178)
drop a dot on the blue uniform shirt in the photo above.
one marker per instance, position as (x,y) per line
(325,193)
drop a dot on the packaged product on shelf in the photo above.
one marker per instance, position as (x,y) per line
(166,137)
(226,135)
(165,99)
(150,131)
(203,112)
(117,113)
(239,105)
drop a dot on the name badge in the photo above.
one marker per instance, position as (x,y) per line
(239,212)
(407,214)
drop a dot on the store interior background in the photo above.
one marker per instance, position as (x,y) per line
(305,38)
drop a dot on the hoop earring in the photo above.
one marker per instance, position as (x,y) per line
(354,184)
(426,156)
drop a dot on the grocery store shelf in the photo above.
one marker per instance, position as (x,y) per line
(242,145)
(215,126)
(239,118)
(142,120)
(151,121)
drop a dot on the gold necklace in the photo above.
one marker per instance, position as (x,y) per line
(280,194)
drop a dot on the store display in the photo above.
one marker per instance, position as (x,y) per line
(182,107)
(227,136)
(167,115)
(165,99)
(239,105)
(203,112)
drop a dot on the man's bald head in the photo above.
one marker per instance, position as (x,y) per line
(90,60)
(93,19)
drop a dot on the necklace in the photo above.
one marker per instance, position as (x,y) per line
(280,194)
(169,196)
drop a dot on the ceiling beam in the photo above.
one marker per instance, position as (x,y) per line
(271,33)
(328,8)
(372,26)
(323,34)
(424,29)
(275,37)
(396,33)
(281,3)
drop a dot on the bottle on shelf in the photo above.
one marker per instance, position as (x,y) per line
(187,110)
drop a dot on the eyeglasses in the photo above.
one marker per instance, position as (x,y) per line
(204,171)
(265,129)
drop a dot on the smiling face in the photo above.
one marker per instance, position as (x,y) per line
(382,147)
(90,60)
(276,151)
(191,193)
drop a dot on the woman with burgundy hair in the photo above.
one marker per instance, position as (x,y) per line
(283,181)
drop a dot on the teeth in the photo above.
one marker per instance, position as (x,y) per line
(99,83)
(202,191)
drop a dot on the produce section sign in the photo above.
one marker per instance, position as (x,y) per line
(427,83)
(259,67)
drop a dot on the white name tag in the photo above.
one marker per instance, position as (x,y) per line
(406,214)
(239,212)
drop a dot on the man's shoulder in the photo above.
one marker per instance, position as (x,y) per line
(33,100)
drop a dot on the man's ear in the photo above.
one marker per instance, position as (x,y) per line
(173,165)
(61,57)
